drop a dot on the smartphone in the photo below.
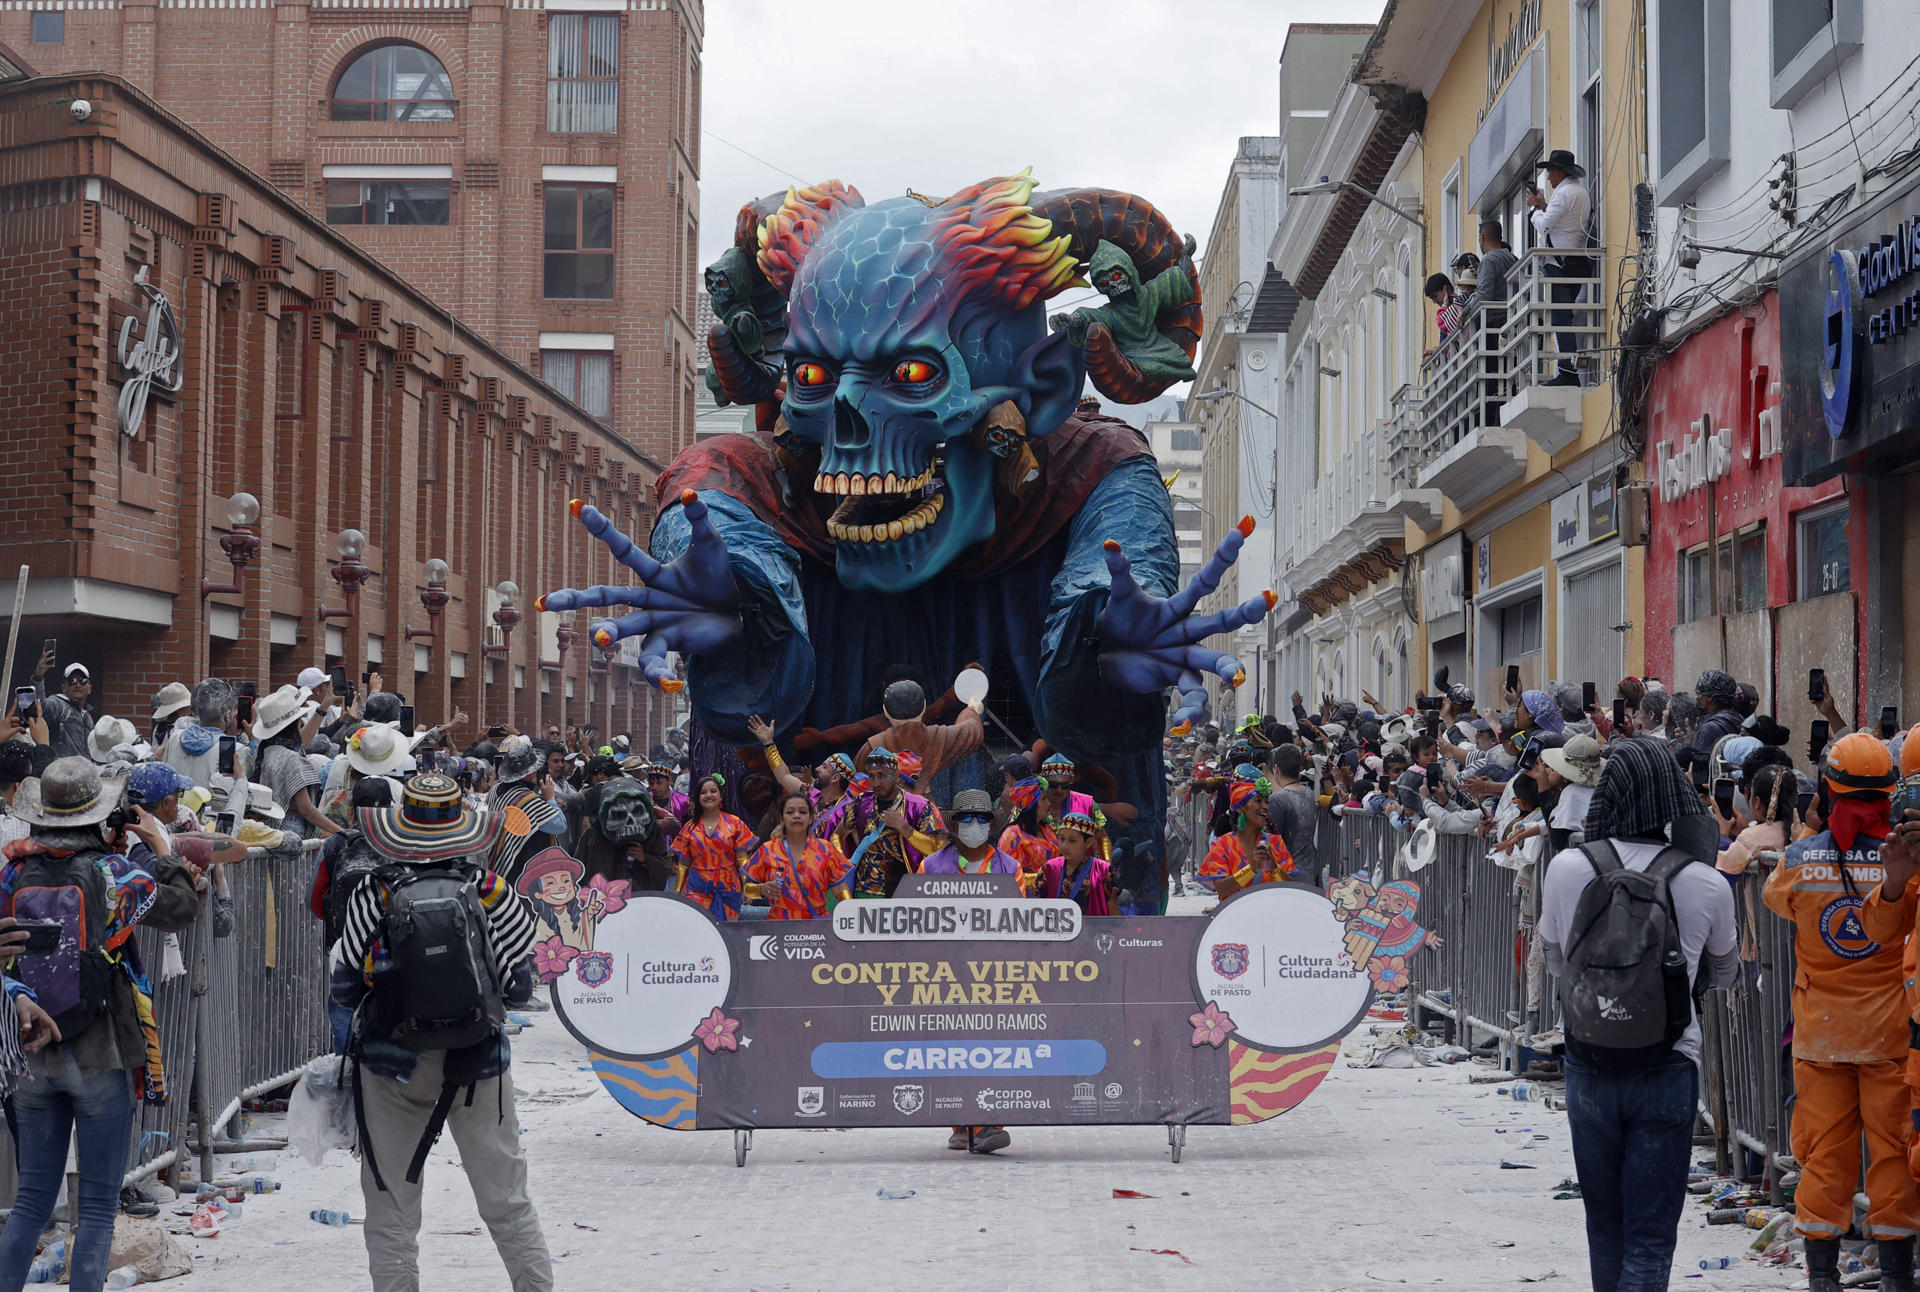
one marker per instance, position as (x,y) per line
(26,700)
(1430,703)
(50,646)
(1589,697)
(1513,677)
(406,720)
(1530,186)
(1818,733)
(366,678)
(1723,795)
(223,823)
(1619,715)
(226,755)
(43,937)
(1905,799)
(1816,685)
(246,688)
(1805,802)
(1889,722)
(244,710)
(1433,774)
(1529,757)
(340,684)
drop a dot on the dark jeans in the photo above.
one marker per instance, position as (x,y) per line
(1632,1140)
(47,1110)
(1567,294)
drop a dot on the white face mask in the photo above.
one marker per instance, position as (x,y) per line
(973,833)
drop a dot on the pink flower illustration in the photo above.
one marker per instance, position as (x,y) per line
(716,1032)
(1211,1026)
(1389,973)
(551,958)
(616,893)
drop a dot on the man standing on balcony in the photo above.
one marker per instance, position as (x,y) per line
(1561,221)
(1496,262)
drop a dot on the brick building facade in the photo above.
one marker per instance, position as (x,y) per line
(313,379)
(475,137)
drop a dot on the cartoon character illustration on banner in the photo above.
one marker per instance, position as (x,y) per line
(566,915)
(1381,931)
(926,488)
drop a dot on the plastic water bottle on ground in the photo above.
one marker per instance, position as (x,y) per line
(49,1265)
(1527,1091)
(326,1217)
(124,1277)
(1718,1263)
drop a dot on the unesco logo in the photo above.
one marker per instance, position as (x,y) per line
(1840,342)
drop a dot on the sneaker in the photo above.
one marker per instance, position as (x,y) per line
(958,1140)
(132,1204)
(991,1140)
(537,1005)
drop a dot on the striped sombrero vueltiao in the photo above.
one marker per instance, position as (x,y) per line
(430,823)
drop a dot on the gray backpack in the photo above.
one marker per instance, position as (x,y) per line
(1627,996)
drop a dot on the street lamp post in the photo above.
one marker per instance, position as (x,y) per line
(349,573)
(564,636)
(433,597)
(507,617)
(240,544)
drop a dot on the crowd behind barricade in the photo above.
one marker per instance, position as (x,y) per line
(1638,828)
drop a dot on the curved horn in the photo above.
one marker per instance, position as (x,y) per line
(1090,216)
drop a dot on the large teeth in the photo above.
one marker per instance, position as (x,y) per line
(859,486)
(841,528)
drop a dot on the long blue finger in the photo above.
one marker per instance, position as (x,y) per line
(624,549)
(593,598)
(653,662)
(606,632)
(1193,698)
(1119,573)
(1249,611)
(1183,601)
(1225,667)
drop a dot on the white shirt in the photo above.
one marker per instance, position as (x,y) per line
(1564,221)
(1702,903)
(1570,813)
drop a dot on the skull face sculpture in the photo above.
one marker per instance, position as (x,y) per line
(917,355)
(621,811)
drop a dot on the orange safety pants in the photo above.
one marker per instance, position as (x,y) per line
(1833,1104)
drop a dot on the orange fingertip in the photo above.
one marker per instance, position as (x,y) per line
(540,603)
(1183,730)
(1239,677)
(687,495)
(1273,598)
(672,686)
(603,638)
(1112,545)
(1245,527)
(574,506)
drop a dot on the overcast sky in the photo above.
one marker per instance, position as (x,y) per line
(1150,96)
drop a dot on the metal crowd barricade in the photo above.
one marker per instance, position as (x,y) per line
(1477,979)
(247,1014)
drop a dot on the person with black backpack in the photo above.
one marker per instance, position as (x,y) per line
(433,951)
(1636,924)
(94,870)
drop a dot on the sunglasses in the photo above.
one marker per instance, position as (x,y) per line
(976,817)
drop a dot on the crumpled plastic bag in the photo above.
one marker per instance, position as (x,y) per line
(146,1245)
(320,1111)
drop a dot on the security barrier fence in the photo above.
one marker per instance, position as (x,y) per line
(1478,977)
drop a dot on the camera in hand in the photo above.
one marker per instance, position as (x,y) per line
(225,764)
(43,936)
(26,702)
(1723,795)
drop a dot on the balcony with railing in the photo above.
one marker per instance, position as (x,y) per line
(1501,381)
(1402,432)
(1347,530)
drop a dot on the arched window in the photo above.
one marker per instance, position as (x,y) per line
(394,83)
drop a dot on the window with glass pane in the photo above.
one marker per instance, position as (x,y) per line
(579,242)
(389,201)
(584,376)
(1519,630)
(583,73)
(1696,585)
(394,83)
(1750,569)
(1825,563)
(1186,441)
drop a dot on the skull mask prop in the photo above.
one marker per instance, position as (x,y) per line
(622,811)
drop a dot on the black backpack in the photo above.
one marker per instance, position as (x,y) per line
(1627,996)
(435,990)
(74,983)
(353,861)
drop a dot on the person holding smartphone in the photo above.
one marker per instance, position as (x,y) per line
(68,717)
(96,1063)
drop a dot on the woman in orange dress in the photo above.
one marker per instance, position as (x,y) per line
(1028,841)
(711,848)
(801,877)
(1247,854)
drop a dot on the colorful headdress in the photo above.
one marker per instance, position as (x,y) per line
(1024,794)
(909,765)
(1057,763)
(1240,791)
(1078,821)
(860,784)
(842,764)
(881,756)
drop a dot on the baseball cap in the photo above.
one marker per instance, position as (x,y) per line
(312,678)
(76,672)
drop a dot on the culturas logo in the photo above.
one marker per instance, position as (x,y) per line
(1839,348)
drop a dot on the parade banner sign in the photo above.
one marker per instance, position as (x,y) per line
(958,1002)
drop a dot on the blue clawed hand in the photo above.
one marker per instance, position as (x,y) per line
(688,605)
(1149,643)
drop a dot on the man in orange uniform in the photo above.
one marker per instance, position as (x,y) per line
(1850,1020)
(1901,854)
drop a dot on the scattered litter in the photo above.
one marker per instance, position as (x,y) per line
(1156,1251)
(1500,1242)
(1129,1193)
(589,1228)
(1540,1276)
(1516,1166)
(206,1222)
(895,1195)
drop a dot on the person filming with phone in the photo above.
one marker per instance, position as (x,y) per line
(90,871)
(68,717)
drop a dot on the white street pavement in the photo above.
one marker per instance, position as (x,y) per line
(1382,1178)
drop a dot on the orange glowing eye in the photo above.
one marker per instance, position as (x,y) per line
(914,371)
(810,374)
